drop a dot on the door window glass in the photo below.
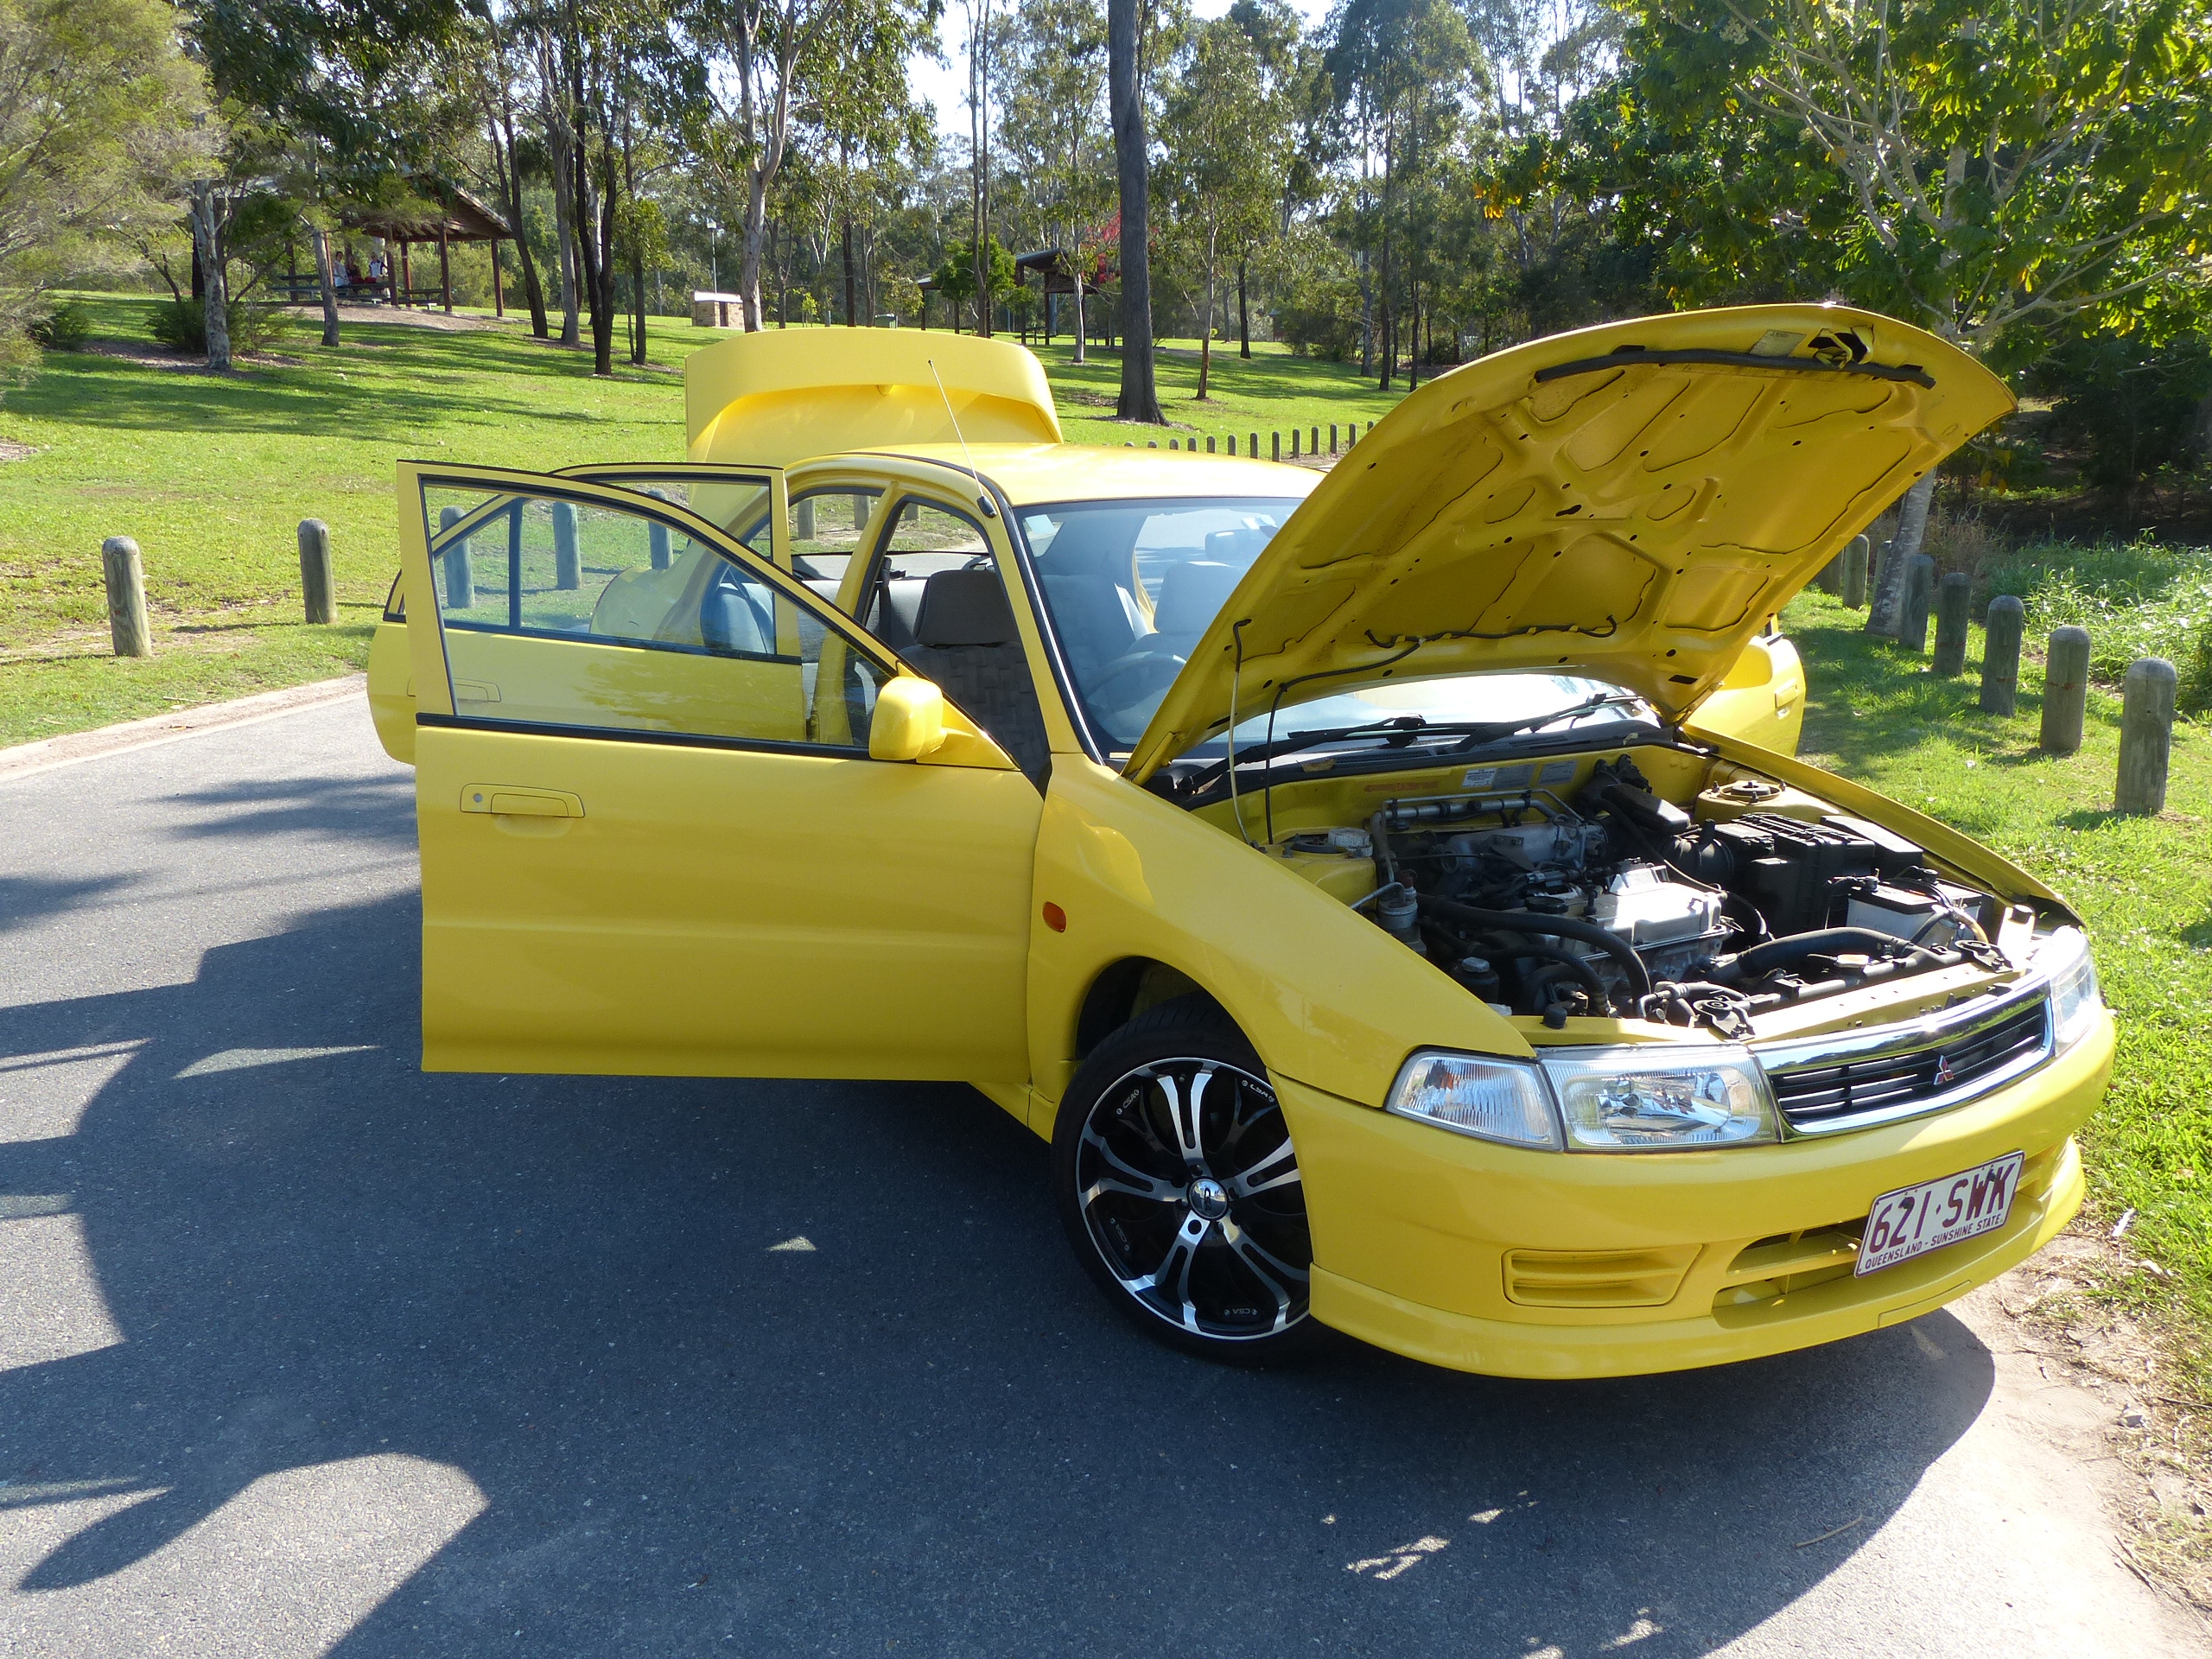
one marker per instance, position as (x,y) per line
(826,528)
(936,595)
(574,614)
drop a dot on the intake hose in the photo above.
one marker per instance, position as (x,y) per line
(1762,959)
(1566,927)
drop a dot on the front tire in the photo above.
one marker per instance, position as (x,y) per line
(1176,1179)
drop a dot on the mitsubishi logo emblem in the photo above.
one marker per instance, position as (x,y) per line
(1944,1075)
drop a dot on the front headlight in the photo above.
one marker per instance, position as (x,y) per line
(2074,998)
(1658,1097)
(1490,1099)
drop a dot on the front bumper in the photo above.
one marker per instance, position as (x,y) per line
(1517,1263)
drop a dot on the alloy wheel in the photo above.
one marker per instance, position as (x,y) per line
(1190,1191)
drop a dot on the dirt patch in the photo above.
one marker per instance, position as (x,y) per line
(400,316)
(10,450)
(2156,1421)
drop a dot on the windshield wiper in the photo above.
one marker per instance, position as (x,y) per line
(1401,731)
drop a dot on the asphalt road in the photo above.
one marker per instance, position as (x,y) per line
(303,1352)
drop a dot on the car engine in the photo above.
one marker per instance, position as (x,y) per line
(1615,901)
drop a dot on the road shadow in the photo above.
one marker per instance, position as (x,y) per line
(27,898)
(927,1431)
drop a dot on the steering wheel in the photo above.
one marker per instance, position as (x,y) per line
(1144,672)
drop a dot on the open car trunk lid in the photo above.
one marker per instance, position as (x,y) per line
(771,398)
(1632,502)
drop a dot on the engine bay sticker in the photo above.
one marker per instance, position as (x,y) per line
(1516,777)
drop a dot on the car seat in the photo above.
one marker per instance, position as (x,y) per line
(965,640)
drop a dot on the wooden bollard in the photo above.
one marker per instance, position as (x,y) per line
(1294,443)
(460,574)
(1333,438)
(1315,447)
(2000,655)
(1210,448)
(1919,597)
(1852,587)
(802,523)
(656,532)
(2065,689)
(1252,445)
(1952,598)
(317,591)
(1275,444)
(568,565)
(126,597)
(2146,736)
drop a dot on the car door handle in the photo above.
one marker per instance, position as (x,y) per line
(509,801)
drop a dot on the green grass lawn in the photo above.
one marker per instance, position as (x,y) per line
(2143,885)
(212,475)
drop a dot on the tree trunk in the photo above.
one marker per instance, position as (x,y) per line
(756,235)
(1243,312)
(207,252)
(1076,280)
(1206,331)
(1888,608)
(601,269)
(327,282)
(638,284)
(851,320)
(590,267)
(503,155)
(565,232)
(1413,356)
(1140,398)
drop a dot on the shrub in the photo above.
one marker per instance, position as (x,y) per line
(67,327)
(2137,599)
(182,325)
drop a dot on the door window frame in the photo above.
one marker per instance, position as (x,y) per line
(506,484)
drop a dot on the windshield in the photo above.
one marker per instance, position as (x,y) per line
(1429,715)
(1131,585)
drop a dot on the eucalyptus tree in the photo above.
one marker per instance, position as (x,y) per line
(1982,168)
(1056,129)
(1408,76)
(765,60)
(339,100)
(1227,129)
(97,122)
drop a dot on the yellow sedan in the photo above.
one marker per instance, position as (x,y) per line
(1391,891)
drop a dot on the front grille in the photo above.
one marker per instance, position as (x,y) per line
(1816,1096)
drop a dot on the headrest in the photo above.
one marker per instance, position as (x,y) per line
(965,607)
(1190,595)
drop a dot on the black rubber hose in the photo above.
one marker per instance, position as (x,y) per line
(1577,965)
(1762,959)
(1567,927)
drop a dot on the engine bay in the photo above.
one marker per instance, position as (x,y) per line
(1600,897)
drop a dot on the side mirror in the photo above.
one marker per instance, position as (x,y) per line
(909,719)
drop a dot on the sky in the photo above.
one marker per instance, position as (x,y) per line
(945,84)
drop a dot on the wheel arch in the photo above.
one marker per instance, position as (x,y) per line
(1123,990)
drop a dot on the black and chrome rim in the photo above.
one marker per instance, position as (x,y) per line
(1191,1195)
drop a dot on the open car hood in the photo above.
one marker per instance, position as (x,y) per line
(1632,502)
(770,398)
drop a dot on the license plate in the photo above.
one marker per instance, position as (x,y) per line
(1914,1220)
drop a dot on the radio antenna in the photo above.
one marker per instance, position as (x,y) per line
(984,500)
